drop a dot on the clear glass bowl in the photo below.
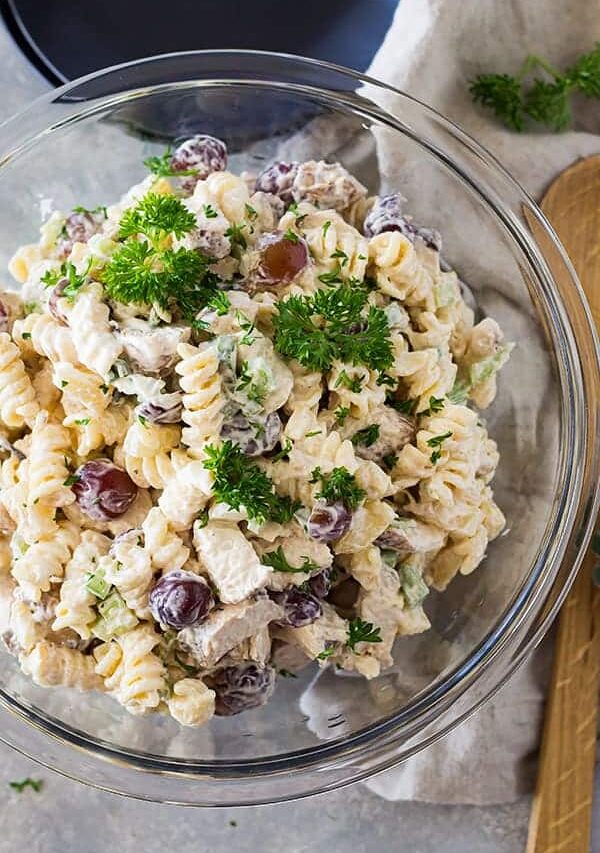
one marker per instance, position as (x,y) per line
(84,144)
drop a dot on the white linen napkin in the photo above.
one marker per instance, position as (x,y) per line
(432,50)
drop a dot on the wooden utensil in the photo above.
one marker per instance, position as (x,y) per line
(562,805)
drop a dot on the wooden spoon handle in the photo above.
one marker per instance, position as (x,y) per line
(562,806)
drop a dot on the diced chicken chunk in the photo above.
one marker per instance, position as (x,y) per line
(152,350)
(297,548)
(410,536)
(257,649)
(288,657)
(329,630)
(227,628)
(326,185)
(394,432)
(230,560)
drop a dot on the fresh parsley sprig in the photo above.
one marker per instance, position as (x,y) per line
(331,324)
(36,784)
(75,280)
(546,100)
(339,486)
(162,168)
(360,631)
(240,483)
(145,269)
(156,216)
(279,563)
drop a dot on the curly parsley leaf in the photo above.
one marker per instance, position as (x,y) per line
(147,270)
(333,324)
(75,280)
(339,486)
(278,562)
(436,404)
(155,216)
(360,631)
(240,483)
(162,168)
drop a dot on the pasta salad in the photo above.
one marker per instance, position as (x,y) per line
(236,434)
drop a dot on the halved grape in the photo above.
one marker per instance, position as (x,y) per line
(3,317)
(254,437)
(281,259)
(277,179)
(104,491)
(54,302)
(386,215)
(328,522)
(165,409)
(205,154)
(320,584)
(299,608)
(239,688)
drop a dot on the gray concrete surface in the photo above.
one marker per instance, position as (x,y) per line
(66,817)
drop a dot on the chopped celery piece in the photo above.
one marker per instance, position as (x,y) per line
(459,393)
(97,584)
(115,618)
(444,294)
(412,585)
(482,370)
(389,557)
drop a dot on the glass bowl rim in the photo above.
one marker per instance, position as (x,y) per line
(479,660)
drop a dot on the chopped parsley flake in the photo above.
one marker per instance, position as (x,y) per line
(405,407)
(291,236)
(341,255)
(353,384)
(340,486)
(285,449)
(234,232)
(366,436)
(36,784)
(75,280)
(254,385)
(250,212)
(219,303)
(91,211)
(436,404)
(326,227)
(71,480)
(161,166)
(278,562)
(332,277)
(326,653)
(341,413)
(389,460)
(436,441)
(82,421)
(209,211)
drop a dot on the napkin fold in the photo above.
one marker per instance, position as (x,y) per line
(432,49)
